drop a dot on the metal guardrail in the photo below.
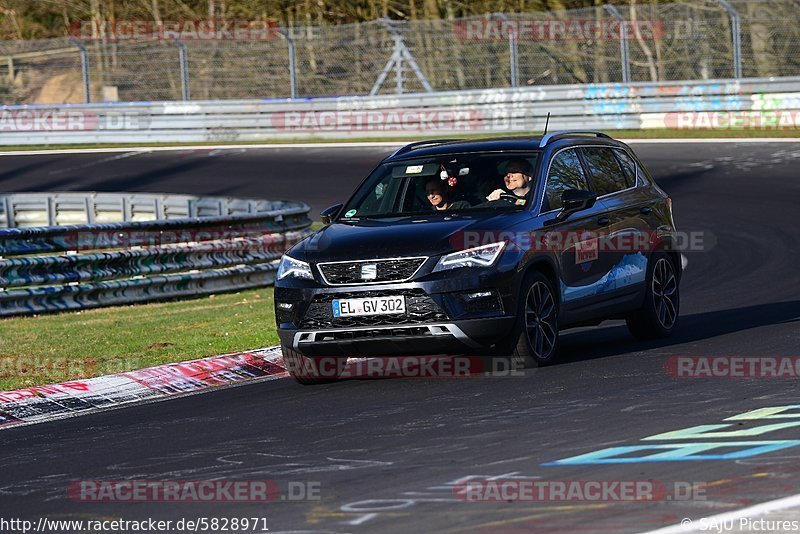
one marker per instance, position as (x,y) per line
(150,247)
(595,106)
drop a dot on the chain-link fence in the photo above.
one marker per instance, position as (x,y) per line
(623,43)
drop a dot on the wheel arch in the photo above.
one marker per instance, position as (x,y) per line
(666,247)
(547,267)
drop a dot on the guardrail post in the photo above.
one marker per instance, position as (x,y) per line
(512,49)
(183,60)
(623,42)
(736,36)
(87,93)
(292,63)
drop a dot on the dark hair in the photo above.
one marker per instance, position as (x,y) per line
(438,181)
(523,163)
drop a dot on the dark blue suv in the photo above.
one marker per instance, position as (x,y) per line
(481,247)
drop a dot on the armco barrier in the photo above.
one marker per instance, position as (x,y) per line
(595,106)
(121,248)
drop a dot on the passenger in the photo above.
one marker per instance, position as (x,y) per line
(518,182)
(438,194)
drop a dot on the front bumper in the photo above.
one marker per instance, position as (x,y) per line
(464,311)
(475,336)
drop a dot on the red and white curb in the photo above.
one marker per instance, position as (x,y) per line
(79,397)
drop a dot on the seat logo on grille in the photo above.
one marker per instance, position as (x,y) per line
(369,271)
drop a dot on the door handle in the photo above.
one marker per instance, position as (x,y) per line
(647,210)
(603,221)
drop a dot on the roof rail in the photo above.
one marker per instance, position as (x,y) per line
(417,144)
(564,133)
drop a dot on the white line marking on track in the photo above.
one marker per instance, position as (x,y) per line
(689,525)
(367,144)
(363,519)
(97,162)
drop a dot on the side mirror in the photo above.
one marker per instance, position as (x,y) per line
(329,214)
(573,201)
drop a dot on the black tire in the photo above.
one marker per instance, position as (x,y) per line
(659,314)
(312,370)
(536,332)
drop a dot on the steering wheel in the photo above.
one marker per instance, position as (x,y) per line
(509,197)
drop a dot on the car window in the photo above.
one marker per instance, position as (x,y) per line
(628,166)
(450,182)
(382,196)
(565,173)
(607,176)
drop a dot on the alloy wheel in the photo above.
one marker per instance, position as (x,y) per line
(665,293)
(541,324)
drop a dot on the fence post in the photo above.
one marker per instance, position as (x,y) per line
(512,49)
(736,36)
(292,64)
(623,42)
(87,93)
(398,65)
(183,60)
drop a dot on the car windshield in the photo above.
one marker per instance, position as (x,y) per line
(446,184)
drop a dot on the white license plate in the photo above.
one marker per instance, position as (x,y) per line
(369,306)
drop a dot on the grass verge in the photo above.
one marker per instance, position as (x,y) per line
(664,133)
(44,349)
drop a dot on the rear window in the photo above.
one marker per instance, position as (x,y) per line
(628,166)
(605,170)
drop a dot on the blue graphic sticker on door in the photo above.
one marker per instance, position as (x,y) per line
(632,269)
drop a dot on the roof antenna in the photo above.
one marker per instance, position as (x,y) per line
(546,123)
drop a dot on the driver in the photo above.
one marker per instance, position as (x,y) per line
(517,180)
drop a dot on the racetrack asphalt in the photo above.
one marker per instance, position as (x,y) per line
(387,453)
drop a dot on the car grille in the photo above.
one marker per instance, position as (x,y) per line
(389,270)
(420,308)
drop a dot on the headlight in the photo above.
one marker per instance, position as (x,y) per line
(292,267)
(483,256)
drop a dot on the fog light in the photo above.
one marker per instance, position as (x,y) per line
(483,302)
(478,295)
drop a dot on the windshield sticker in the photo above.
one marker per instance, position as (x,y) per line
(350,213)
(414,169)
(520,202)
